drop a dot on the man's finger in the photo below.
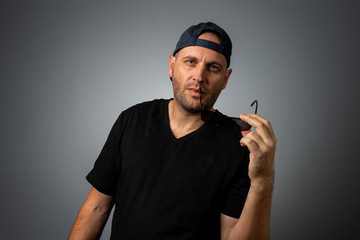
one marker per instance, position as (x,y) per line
(261,125)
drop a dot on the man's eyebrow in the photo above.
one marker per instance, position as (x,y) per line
(215,63)
(188,57)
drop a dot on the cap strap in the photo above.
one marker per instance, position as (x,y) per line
(208,44)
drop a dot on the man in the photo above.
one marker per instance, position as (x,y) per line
(169,174)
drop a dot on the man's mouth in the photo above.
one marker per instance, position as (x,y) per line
(196,91)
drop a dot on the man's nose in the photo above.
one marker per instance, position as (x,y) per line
(199,74)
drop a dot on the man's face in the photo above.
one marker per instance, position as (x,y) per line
(194,67)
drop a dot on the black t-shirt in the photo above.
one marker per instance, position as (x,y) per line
(168,188)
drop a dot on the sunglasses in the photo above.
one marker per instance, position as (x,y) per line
(217,118)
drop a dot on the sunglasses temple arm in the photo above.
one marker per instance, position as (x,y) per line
(200,100)
(256,105)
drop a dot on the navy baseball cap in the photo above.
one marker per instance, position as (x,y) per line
(191,38)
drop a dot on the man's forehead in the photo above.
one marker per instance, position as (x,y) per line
(202,54)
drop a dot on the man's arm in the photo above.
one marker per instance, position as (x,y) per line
(254,222)
(92,216)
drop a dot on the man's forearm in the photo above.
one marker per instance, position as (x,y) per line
(254,222)
(89,223)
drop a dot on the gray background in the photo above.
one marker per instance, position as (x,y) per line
(68,68)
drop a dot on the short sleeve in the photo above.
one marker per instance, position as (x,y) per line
(105,173)
(236,194)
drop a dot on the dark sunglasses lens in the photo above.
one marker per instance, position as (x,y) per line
(219,119)
(243,126)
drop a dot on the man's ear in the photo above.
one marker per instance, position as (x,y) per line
(171,65)
(227,76)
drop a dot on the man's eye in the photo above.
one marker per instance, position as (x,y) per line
(190,61)
(213,68)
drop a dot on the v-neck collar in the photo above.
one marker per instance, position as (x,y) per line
(167,128)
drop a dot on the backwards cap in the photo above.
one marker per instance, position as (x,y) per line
(191,38)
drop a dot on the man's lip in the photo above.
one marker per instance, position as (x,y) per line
(196,90)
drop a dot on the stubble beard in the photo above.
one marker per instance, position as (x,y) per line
(208,99)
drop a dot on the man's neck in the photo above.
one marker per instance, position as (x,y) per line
(182,122)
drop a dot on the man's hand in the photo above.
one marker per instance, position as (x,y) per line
(262,145)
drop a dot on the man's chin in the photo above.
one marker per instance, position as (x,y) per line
(192,107)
